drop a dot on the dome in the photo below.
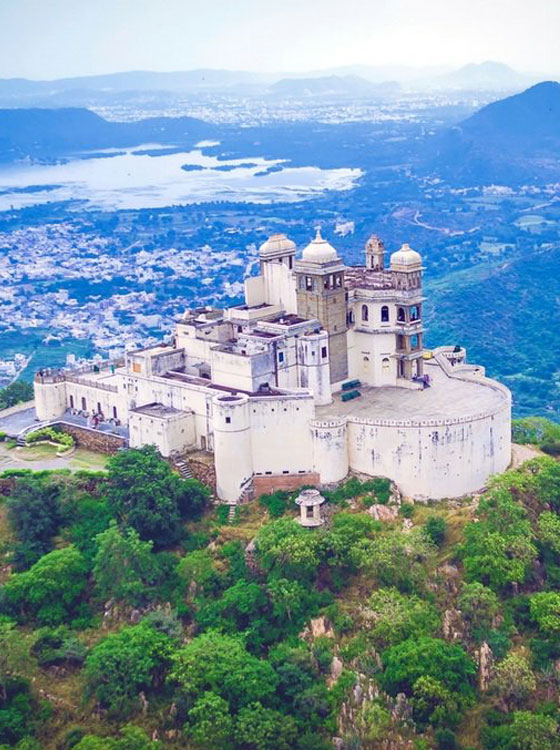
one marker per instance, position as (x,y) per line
(277,244)
(319,251)
(406,259)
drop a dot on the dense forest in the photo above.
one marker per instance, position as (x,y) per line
(134,616)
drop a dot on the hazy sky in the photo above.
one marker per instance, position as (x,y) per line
(54,38)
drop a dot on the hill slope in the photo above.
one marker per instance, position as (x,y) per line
(506,141)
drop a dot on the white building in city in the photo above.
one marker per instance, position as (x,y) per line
(320,373)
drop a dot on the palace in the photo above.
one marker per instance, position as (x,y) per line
(320,373)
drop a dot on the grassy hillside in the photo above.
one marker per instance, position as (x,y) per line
(133,616)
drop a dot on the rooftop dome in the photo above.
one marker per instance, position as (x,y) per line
(319,251)
(277,244)
(406,258)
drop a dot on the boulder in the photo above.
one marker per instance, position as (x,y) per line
(383,512)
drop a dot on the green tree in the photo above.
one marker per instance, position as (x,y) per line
(124,663)
(545,611)
(14,655)
(435,528)
(123,566)
(534,732)
(374,722)
(499,548)
(287,550)
(210,724)
(549,530)
(213,662)
(35,515)
(445,662)
(479,605)
(146,494)
(91,516)
(396,616)
(346,546)
(50,590)
(433,703)
(132,738)
(513,678)
(401,559)
(260,728)
(15,393)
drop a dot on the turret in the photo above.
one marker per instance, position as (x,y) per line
(375,254)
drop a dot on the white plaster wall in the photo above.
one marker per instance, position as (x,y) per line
(281,437)
(168,435)
(314,368)
(366,353)
(94,396)
(279,285)
(179,395)
(433,461)
(232,446)
(330,449)
(245,373)
(50,400)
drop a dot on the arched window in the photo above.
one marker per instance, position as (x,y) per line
(401,315)
(384,314)
(365,312)
(385,364)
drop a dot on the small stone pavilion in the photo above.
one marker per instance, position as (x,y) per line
(310,502)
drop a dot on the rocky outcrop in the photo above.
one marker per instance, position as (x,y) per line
(453,625)
(319,627)
(485,660)
(383,512)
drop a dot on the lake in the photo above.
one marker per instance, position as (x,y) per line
(140,177)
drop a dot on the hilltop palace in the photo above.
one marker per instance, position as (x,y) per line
(322,371)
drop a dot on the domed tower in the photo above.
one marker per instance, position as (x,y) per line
(406,271)
(277,257)
(375,254)
(321,294)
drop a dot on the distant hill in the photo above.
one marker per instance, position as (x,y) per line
(349,85)
(506,141)
(46,133)
(493,76)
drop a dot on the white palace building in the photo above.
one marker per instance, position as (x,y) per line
(320,373)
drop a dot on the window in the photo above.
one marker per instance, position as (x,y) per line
(365,312)
(385,364)
(98,408)
(401,317)
(71,402)
(324,352)
(114,412)
(309,511)
(136,367)
(84,404)
(228,420)
(384,314)
(280,356)
(291,261)
(309,283)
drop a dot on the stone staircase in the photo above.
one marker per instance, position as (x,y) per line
(183,468)
(232,512)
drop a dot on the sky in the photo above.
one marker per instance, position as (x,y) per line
(58,38)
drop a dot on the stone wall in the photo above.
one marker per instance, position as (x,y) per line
(203,470)
(264,484)
(93,440)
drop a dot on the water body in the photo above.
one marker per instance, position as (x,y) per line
(148,176)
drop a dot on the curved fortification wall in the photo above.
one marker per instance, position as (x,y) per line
(330,449)
(50,397)
(233,455)
(427,458)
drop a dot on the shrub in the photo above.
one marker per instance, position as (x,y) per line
(50,434)
(275,502)
(435,529)
(121,665)
(50,591)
